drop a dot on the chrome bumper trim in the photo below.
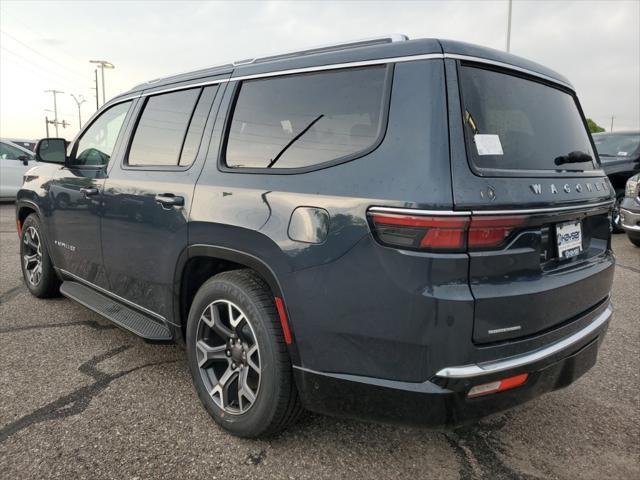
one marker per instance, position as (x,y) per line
(630,220)
(487,368)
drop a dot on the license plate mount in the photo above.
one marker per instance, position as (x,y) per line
(569,239)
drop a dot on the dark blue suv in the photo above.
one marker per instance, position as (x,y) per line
(412,231)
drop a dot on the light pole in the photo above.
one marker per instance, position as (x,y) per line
(55,107)
(102,64)
(509,27)
(79,101)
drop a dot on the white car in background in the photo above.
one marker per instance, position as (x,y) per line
(14,163)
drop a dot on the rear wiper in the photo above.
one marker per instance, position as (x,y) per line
(573,157)
(293,140)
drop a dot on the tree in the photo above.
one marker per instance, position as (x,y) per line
(594,127)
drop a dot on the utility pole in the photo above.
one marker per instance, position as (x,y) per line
(55,107)
(509,27)
(102,64)
(611,129)
(96,87)
(46,124)
(79,101)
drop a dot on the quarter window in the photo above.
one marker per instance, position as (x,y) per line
(96,145)
(170,128)
(296,121)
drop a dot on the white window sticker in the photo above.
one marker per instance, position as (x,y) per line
(488,144)
(623,154)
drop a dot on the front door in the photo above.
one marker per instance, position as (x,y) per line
(13,165)
(148,194)
(74,194)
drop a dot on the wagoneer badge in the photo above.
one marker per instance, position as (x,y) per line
(537,188)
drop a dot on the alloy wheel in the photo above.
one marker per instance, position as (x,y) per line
(228,357)
(32,256)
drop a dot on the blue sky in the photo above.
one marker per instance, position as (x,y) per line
(46,45)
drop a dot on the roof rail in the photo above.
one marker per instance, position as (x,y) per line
(395,37)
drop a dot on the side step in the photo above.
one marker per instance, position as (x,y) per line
(121,315)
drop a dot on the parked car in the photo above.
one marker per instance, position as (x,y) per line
(630,210)
(14,163)
(28,144)
(413,231)
(620,159)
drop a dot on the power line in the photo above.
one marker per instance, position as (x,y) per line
(34,67)
(75,72)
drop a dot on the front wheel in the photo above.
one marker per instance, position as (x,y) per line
(238,358)
(37,268)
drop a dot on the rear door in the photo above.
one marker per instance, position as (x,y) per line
(524,165)
(147,196)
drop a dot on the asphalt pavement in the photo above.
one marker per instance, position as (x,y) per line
(80,398)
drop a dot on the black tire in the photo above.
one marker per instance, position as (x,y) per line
(47,284)
(276,404)
(616,225)
(634,240)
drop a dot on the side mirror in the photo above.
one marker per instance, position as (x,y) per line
(24,159)
(52,150)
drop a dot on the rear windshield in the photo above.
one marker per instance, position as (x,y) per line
(617,145)
(518,124)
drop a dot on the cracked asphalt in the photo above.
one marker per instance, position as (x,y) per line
(81,398)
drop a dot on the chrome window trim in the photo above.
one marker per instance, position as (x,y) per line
(111,294)
(355,64)
(487,368)
(508,66)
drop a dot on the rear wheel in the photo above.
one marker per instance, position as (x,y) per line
(238,358)
(37,269)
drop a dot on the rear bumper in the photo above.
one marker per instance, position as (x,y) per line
(442,401)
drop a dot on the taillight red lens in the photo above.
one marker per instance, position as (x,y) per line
(491,231)
(424,233)
(454,233)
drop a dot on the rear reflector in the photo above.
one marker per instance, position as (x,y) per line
(284,322)
(498,386)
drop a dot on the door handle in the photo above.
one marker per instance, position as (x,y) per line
(168,200)
(89,191)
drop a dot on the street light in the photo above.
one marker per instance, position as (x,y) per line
(79,101)
(102,64)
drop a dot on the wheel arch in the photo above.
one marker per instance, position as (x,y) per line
(211,260)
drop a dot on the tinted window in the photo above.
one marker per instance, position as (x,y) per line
(518,124)
(96,145)
(196,127)
(301,120)
(162,128)
(617,144)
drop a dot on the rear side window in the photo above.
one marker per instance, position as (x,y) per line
(170,128)
(297,121)
(516,124)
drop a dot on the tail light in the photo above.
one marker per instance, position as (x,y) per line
(444,233)
(421,233)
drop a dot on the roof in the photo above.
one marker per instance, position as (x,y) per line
(357,51)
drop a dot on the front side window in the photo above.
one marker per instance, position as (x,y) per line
(171,127)
(303,120)
(96,145)
(517,124)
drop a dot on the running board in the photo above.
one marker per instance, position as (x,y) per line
(121,315)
